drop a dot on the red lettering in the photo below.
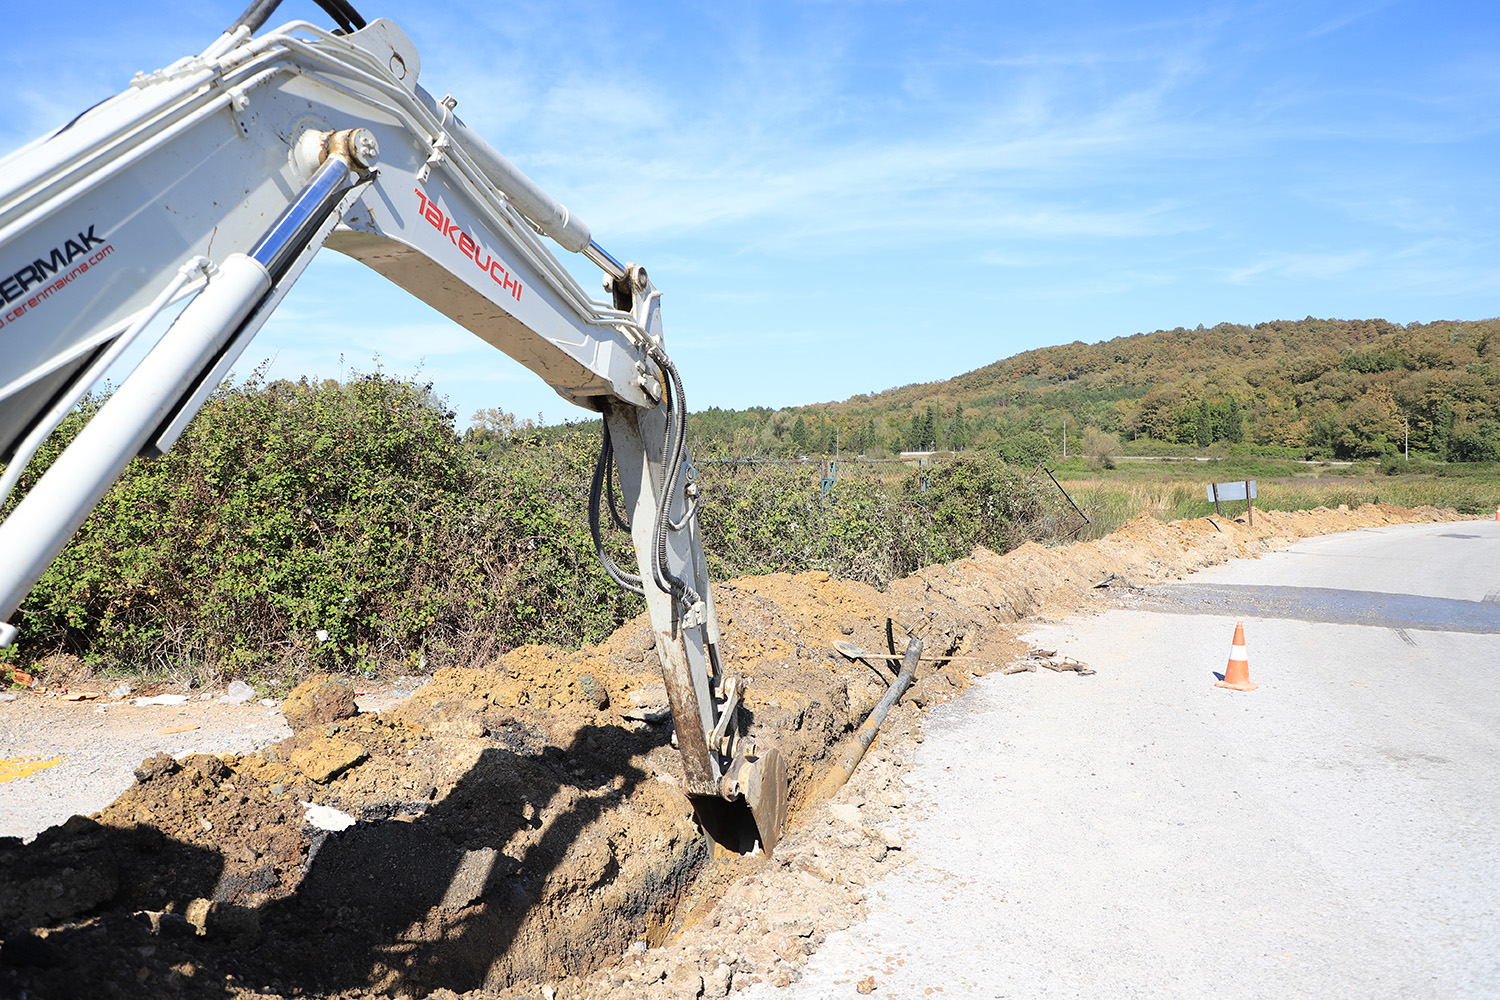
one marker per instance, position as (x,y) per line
(467,245)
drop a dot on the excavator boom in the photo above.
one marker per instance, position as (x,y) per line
(215,181)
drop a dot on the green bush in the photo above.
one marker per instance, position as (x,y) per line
(347,526)
(299,526)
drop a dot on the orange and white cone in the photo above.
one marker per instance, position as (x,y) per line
(1497,512)
(1237,674)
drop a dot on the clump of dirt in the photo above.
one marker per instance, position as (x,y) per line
(317,701)
(521,825)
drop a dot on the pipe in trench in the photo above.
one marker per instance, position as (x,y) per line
(856,747)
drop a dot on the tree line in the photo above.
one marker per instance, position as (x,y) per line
(1317,388)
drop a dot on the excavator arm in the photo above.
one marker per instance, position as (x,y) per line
(215,181)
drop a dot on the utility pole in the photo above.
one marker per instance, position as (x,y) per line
(1406,436)
(1065,438)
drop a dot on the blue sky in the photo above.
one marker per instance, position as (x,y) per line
(839,197)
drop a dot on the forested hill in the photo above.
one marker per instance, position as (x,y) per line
(1323,387)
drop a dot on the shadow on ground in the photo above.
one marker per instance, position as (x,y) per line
(511,876)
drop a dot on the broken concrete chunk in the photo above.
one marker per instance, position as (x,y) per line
(327,817)
(718,981)
(649,704)
(845,812)
(1063,664)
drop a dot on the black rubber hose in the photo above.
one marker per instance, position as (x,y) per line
(255,15)
(615,516)
(628,582)
(672,470)
(854,749)
(344,13)
(259,11)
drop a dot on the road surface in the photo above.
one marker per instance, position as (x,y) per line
(1142,833)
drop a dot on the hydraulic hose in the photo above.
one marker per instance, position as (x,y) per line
(344,13)
(671,473)
(255,15)
(601,492)
(600,486)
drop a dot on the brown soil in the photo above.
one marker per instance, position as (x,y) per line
(521,827)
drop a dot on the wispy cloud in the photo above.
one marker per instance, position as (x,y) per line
(1299,265)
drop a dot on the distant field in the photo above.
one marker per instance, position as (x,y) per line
(1176,488)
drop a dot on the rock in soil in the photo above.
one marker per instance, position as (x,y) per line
(318,701)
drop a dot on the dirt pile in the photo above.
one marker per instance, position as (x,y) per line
(520,826)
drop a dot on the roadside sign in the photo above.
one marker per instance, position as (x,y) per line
(1242,490)
(1232,491)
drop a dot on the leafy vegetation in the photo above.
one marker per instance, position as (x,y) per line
(348,526)
(299,526)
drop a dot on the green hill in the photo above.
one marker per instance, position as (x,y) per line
(1317,387)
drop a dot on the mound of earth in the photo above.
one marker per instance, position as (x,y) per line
(519,826)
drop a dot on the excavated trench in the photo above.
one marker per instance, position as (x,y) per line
(522,823)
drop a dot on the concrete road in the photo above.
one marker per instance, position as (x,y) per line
(1142,833)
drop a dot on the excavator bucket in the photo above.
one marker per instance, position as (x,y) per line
(766,796)
(756,813)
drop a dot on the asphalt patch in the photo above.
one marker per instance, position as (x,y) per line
(1322,604)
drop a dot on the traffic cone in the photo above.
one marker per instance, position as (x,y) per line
(1497,512)
(1237,674)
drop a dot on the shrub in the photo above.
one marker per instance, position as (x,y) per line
(1101,448)
(298,526)
(347,526)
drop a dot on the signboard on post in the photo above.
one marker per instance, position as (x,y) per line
(1243,490)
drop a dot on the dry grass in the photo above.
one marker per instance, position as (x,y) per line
(1110,502)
